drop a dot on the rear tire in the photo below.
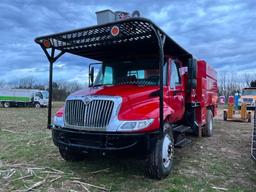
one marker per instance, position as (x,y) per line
(225,116)
(68,155)
(249,116)
(207,130)
(159,162)
(6,104)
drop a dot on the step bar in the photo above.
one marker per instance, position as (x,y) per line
(180,136)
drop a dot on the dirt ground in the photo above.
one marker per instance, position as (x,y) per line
(30,161)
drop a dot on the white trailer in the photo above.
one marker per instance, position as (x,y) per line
(23,97)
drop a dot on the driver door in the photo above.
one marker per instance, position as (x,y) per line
(176,92)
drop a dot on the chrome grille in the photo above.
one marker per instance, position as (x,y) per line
(95,114)
(248,100)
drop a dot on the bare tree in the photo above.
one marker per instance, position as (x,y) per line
(247,78)
(229,82)
(27,82)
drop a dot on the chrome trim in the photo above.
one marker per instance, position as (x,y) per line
(114,123)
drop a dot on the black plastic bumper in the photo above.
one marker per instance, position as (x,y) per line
(78,140)
(248,107)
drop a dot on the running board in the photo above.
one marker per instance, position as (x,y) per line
(179,133)
(181,129)
(183,142)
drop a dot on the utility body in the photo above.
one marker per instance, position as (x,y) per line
(148,94)
(23,97)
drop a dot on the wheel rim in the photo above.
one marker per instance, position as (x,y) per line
(167,151)
(6,105)
(210,125)
(37,105)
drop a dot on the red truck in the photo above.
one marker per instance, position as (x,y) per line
(149,93)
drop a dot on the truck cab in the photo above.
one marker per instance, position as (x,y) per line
(40,98)
(248,97)
(133,85)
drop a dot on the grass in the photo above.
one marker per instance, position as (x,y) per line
(220,161)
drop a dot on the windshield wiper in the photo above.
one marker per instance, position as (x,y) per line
(97,85)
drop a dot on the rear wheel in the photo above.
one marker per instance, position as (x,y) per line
(6,104)
(159,162)
(249,117)
(225,115)
(68,155)
(207,130)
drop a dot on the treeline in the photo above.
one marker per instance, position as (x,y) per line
(229,82)
(61,89)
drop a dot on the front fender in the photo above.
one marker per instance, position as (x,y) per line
(145,110)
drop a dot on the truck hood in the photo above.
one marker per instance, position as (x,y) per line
(138,102)
(129,93)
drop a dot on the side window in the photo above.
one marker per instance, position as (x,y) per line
(38,94)
(175,76)
(165,72)
(108,76)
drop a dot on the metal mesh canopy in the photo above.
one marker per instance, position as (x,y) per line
(136,37)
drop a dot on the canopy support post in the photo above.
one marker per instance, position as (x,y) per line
(51,58)
(160,40)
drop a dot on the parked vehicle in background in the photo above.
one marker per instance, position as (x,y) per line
(249,97)
(222,100)
(148,94)
(23,97)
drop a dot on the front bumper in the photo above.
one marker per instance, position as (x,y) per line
(248,107)
(88,141)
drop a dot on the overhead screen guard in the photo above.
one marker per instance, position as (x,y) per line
(136,37)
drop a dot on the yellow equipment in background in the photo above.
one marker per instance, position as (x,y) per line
(230,114)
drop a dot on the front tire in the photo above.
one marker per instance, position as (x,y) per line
(207,130)
(37,105)
(159,162)
(68,155)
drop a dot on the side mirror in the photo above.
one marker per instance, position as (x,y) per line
(91,76)
(192,73)
(92,68)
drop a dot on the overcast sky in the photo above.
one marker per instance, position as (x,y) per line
(221,32)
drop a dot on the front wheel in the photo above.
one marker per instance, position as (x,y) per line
(37,105)
(160,160)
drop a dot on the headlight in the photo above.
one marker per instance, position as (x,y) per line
(58,121)
(135,125)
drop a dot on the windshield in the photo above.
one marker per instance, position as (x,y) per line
(45,94)
(130,72)
(249,92)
